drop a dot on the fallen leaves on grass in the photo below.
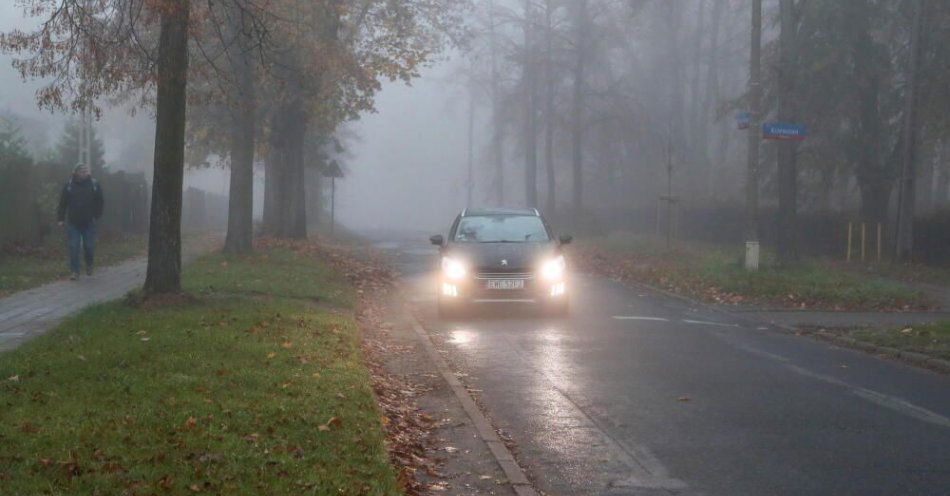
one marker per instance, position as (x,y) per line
(189,424)
(332,423)
(407,428)
(682,272)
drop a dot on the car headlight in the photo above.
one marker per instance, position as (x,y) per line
(553,269)
(452,268)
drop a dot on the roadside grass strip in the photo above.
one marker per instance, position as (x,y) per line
(254,386)
(928,339)
(809,284)
(714,273)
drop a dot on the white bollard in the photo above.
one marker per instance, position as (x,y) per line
(752,256)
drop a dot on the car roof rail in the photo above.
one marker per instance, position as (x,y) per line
(463,212)
(537,213)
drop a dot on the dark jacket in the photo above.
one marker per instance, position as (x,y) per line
(81,201)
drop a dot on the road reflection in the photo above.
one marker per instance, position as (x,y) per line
(462,338)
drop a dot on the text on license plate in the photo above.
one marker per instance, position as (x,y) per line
(505,284)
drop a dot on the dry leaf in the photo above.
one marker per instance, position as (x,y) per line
(333,422)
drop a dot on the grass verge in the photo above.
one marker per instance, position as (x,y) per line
(929,339)
(49,262)
(714,274)
(255,385)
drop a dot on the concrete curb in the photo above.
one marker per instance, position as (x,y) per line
(908,357)
(513,472)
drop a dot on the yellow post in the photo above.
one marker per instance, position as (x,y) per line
(863,240)
(878,242)
(848,256)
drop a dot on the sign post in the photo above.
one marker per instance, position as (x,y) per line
(333,171)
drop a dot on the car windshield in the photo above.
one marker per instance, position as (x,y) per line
(501,229)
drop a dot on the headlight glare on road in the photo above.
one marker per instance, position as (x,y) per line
(452,268)
(553,270)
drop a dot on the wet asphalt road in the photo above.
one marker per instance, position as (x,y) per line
(638,393)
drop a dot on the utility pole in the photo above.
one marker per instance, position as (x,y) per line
(905,207)
(670,199)
(752,174)
(333,205)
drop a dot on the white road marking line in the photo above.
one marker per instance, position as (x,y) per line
(705,322)
(885,400)
(765,354)
(636,317)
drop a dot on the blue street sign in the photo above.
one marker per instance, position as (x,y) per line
(744,120)
(783,131)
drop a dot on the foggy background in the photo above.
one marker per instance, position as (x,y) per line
(407,168)
(635,100)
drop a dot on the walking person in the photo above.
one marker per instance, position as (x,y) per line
(80,207)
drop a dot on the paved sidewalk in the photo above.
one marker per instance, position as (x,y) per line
(29,313)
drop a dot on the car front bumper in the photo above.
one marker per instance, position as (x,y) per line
(476,290)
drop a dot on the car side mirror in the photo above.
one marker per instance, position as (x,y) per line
(437,240)
(566,239)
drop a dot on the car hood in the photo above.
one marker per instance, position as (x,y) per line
(490,256)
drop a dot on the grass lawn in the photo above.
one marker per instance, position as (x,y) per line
(930,339)
(714,273)
(254,386)
(51,261)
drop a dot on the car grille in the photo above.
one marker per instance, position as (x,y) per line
(504,275)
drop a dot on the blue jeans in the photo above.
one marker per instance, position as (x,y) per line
(84,236)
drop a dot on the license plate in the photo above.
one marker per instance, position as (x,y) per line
(505,284)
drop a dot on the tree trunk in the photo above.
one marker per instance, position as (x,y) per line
(550,202)
(241,193)
(296,219)
(712,93)
(697,120)
(272,179)
(577,111)
(942,194)
(243,134)
(163,274)
(755,96)
(497,143)
(787,150)
(875,197)
(531,112)
(905,213)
